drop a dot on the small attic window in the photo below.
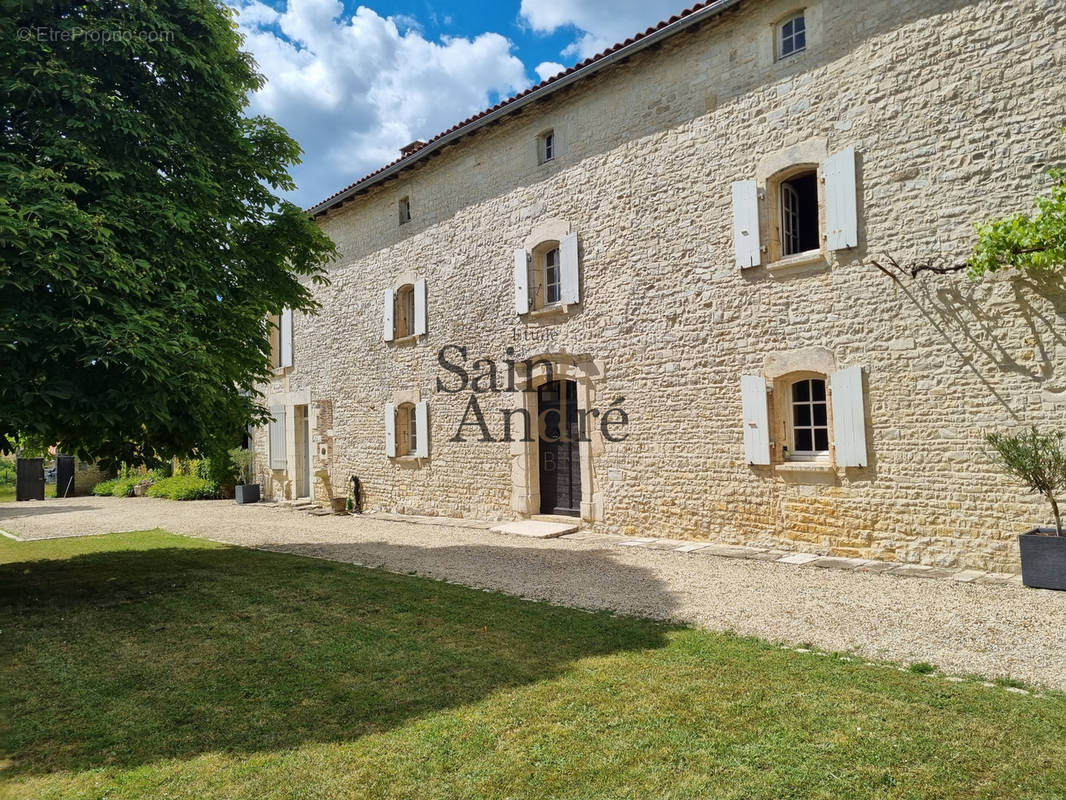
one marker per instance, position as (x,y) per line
(546,146)
(405,210)
(791,36)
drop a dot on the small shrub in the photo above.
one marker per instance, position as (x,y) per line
(184,487)
(123,487)
(1036,459)
(104,488)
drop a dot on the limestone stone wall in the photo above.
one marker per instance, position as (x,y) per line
(953,109)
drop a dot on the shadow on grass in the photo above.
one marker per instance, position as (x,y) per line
(126,657)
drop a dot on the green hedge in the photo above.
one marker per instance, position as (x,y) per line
(184,487)
(116,487)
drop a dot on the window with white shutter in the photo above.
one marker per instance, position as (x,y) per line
(841,201)
(390,430)
(388,312)
(756,419)
(286,337)
(420,326)
(421,448)
(570,276)
(521,281)
(747,248)
(278,458)
(849,417)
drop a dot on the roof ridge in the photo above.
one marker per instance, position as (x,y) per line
(320,207)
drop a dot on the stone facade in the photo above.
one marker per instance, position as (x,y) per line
(952,108)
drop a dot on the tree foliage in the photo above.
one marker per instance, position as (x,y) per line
(142,242)
(1028,242)
(1038,460)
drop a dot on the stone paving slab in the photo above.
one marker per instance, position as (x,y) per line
(535,529)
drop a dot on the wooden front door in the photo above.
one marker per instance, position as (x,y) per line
(560,452)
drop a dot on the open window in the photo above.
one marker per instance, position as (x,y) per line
(547,277)
(797,201)
(803,212)
(791,35)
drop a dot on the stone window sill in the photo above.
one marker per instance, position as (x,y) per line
(549,311)
(810,259)
(405,340)
(408,461)
(805,466)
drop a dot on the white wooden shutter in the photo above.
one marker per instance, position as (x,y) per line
(420,308)
(277,438)
(521,282)
(422,429)
(849,417)
(756,419)
(390,430)
(841,206)
(570,281)
(285,337)
(389,314)
(746,224)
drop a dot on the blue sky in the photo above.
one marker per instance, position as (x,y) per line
(355,82)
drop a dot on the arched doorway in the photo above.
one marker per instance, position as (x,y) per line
(558,435)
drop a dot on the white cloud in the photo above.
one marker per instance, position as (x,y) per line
(547,69)
(353,89)
(601,23)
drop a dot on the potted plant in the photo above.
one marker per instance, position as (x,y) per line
(245,491)
(1039,460)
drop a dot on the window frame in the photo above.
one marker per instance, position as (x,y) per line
(404,312)
(546,148)
(553,261)
(406,430)
(404,208)
(792,453)
(780,37)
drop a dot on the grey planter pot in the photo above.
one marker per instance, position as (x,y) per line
(246,493)
(1043,559)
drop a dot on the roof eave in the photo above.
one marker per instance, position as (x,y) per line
(436,145)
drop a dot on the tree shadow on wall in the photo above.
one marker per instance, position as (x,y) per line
(123,658)
(1004,324)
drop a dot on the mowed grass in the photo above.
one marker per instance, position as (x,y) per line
(7,492)
(150,665)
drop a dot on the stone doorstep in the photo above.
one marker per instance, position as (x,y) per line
(535,529)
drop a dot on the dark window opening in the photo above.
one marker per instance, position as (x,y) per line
(799,214)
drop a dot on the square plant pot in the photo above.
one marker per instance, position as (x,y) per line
(246,493)
(1043,559)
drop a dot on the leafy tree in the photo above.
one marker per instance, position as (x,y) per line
(142,242)
(1038,460)
(1031,243)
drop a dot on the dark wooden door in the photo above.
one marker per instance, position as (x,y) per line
(29,479)
(560,456)
(64,476)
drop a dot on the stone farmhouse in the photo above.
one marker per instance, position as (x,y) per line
(661,260)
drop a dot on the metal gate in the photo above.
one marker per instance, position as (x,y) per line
(29,479)
(64,476)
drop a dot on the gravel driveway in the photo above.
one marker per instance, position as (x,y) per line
(962,628)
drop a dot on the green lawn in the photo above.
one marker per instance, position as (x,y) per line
(150,665)
(7,492)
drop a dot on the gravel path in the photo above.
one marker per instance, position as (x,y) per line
(962,628)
